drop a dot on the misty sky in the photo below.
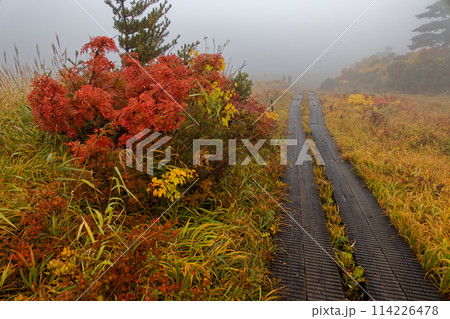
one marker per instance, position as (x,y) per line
(274,37)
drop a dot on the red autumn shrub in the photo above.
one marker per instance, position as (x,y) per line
(208,68)
(95,95)
(381,102)
(51,107)
(96,144)
(93,102)
(33,241)
(156,95)
(99,106)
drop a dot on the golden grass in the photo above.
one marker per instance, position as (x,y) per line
(265,92)
(402,153)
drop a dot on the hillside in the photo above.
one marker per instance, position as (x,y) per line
(426,71)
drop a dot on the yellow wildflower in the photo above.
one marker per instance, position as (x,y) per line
(272,115)
(228,113)
(360,101)
(167,185)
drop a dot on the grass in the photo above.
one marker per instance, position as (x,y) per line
(402,152)
(266,91)
(214,244)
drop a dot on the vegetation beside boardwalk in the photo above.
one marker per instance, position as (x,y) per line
(70,209)
(267,92)
(400,147)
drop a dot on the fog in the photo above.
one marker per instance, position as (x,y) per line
(273,37)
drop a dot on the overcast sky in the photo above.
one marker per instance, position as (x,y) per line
(273,37)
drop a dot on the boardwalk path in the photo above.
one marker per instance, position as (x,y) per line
(306,271)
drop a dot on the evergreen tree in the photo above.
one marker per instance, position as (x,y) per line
(186,50)
(435,32)
(243,84)
(140,33)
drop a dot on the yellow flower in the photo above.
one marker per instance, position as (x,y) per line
(67,252)
(360,101)
(228,113)
(224,122)
(272,115)
(168,185)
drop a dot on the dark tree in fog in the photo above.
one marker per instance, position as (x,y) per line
(435,33)
(141,32)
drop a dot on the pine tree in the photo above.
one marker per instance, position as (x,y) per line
(186,50)
(436,32)
(140,33)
